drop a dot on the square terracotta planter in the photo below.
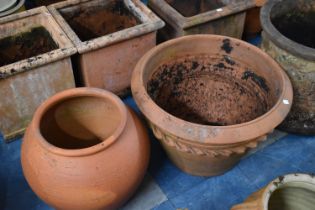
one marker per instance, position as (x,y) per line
(34,65)
(187,17)
(111,36)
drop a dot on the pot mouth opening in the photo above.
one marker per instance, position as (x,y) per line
(189,8)
(292,194)
(32,42)
(90,21)
(213,90)
(81,122)
(295,21)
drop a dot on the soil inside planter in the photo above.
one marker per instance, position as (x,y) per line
(297,26)
(90,23)
(25,45)
(210,91)
(190,8)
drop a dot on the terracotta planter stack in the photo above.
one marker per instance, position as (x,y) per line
(288,36)
(111,36)
(84,149)
(34,65)
(209,98)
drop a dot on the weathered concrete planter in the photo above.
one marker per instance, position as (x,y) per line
(28,74)
(210,98)
(292,191)
(185,17)
(108,49)
(288,37)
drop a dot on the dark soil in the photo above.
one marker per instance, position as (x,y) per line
(297,26)
(90,23)
(209,91)
(299,122)
(46,2)
(25,45)
(190,8)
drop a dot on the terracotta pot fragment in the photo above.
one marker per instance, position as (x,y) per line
(209,98)
(85,150)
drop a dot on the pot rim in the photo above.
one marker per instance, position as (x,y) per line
(278,38)
(204,134)
(11,10)
(72,93)
(282,181)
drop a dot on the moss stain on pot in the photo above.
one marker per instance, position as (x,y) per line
(94,22)
(209,91)
(34,42)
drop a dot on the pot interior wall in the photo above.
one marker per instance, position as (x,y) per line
(90,21)
(210,90)
(80,122)
(295,20)
(293,197)
(24,45)
(190,8)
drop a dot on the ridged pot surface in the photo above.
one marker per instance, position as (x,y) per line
(209,98)
(293,191)
(288,36)
(84,150)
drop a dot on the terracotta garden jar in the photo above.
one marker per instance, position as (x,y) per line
(209,98)
(110,35)
(293,191)
(84,149)
(187,17)
(288,36)
(34,65)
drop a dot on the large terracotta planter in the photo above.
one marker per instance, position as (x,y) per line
(111,36)
(186,17)
(209,98)
(293,191)
(34,64)
(288,36)
(84,150)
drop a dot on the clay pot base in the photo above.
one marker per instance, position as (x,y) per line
(210,90)
(80,121)
(297,26)
(92,22)
(25,45)
(190,8)
(293,197)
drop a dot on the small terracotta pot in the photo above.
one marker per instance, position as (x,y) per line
(293,191)
(209,98)
(84,150)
